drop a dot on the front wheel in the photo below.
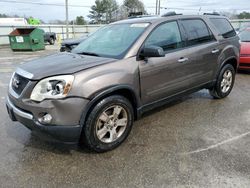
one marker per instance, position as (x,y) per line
(51,41)
(108,124)
(224,83)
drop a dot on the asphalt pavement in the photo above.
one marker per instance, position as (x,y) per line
(195,141)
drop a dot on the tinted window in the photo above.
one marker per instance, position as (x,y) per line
(166,36)
(224,27)
(197,31)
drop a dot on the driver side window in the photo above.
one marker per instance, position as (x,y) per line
(166,36)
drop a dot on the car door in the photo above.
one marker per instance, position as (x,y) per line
(202,43)
(161,77)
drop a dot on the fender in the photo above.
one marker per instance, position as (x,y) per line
(229,49)
(105,92)
(229,58)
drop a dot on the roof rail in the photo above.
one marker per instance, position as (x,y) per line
(172,13)
(214,13)
(140,16)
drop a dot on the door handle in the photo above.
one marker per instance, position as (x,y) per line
(182,59)
(214,51)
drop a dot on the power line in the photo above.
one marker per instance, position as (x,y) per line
(46,4)
(206,9)
(87,6)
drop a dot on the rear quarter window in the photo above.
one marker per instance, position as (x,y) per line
(224,27)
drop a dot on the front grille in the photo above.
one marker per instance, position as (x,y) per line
(18,83)
(245,64)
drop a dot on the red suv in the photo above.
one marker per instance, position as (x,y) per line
(245,49)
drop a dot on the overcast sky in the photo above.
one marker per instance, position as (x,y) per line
(46,12)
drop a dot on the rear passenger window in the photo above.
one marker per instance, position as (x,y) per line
(224,27)
(167,36)
(197,31)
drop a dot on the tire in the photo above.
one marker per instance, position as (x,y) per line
(108,124)
(224,83)
(51,41)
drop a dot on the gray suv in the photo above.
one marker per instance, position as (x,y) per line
(93,94)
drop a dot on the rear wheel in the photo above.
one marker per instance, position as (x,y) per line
(108,124)
(224,83)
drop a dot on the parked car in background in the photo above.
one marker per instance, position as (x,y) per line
(245,49)
(93,94)
(69,44)
(50,37)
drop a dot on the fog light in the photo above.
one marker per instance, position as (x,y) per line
(47,118)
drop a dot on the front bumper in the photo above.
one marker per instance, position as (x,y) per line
(66,48)
(63,133)
(62,48)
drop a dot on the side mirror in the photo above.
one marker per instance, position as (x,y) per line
(152,51)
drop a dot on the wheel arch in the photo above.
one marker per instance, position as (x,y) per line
(53,37)
(232,61)
(123,90)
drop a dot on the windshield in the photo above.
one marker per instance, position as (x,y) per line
(245,35)
(111,41)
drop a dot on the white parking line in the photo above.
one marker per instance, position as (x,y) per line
(2,84)
(6,70)
(218,144)
(19,56)
(7,63)
(16,62)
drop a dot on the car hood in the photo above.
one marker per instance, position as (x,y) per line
(61,63)
(245,48)
(73,41)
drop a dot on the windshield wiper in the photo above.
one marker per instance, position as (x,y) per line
(89,53)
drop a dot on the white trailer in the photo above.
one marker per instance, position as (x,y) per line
(13,21)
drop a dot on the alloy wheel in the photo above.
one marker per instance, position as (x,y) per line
(111,123)
(226,81)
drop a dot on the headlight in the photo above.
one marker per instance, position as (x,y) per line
(55,87)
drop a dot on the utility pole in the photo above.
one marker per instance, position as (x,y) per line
(159,8)
(67,19)
(156,7)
